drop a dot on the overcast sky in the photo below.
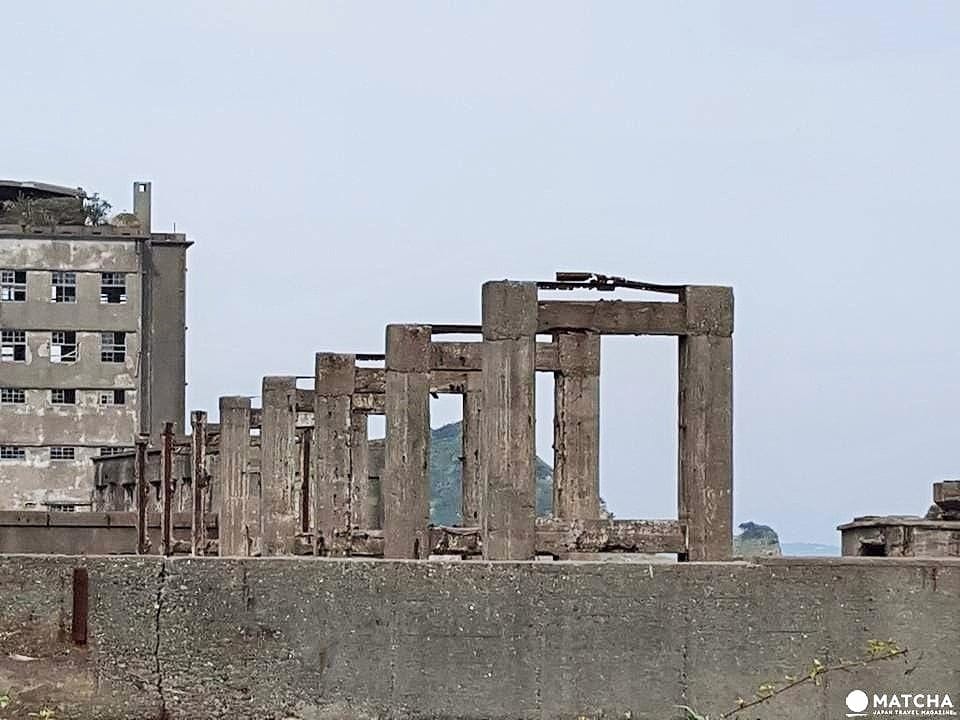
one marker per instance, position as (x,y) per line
(341,166)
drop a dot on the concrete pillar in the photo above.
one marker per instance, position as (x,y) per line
(330,448)
(507,421)
(278,465)
(470,470)
(576,427)
(238,507)
(306,463)
(363,500)
(141,204)
(198,454)
(406,482)
(706,428)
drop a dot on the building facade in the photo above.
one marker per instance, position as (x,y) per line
(92,339)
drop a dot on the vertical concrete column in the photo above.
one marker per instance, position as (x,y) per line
(198,454)
(278,465)
(470,469)
(305,465)
(507,421)
(576,427)
(238,516)
(363,503)
(335,378)
(406,482)
(706,424)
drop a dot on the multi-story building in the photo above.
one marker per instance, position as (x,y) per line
(92,338)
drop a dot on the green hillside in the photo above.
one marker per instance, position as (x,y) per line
(445,452)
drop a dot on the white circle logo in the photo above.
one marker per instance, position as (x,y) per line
(857,701)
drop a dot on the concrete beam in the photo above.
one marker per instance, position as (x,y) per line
(330,448)
(507,419)
(468,356)
(706,445)
(612,317)
(239,502)
(278,465)
(406,483)
(576,427)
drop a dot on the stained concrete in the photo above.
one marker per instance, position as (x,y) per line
(153,372)
(275,638)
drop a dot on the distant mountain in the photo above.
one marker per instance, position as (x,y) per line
(756,541)
(445,464)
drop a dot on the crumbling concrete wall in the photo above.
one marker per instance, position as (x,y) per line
(318,638)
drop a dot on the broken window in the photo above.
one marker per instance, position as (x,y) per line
(63,346)
(113,397)
(13,285)
(15,396)
(63,287)
(113,288)
(13,346)
(61,507)
(62,396)
(111,451)
(113,346)
(63,453)
(12,452)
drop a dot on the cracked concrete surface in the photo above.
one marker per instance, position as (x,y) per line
(283,638)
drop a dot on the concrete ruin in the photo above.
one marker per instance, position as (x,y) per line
(937,534)
(92,318)
(324,602)
(294,476)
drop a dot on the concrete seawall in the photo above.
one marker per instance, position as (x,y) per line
(322,639)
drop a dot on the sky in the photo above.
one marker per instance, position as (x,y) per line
(345,165)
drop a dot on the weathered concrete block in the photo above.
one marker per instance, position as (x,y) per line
(509,309)
(408,348)
(278,638)
(335,374)
(709,309)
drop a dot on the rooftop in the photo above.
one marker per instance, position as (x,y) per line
(12,189)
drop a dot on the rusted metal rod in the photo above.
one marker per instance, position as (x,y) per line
(166,490)
(455,329)
(81,605)
(143,494)
(603,283)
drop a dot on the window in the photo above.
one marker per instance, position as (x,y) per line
(63,453)
(60,396)
(12,396)
(113,288)
(111,451)
(63,346)
(13,285)
(113,397)
(13,346)
(61,507)
(63,287)
(12,452)
(113,347)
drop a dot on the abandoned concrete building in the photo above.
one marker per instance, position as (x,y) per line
(92,316)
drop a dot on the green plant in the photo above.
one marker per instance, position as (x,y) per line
(876,651)
(4,699)
(96,209)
